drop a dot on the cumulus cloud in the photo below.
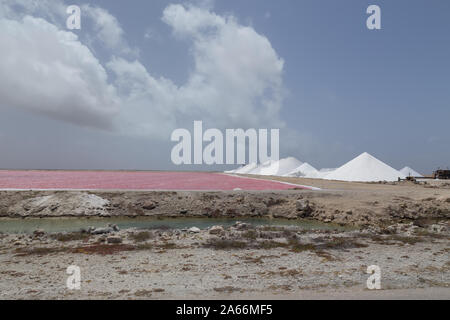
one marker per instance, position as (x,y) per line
(238,75)
(107,29)
(236,80)
(48,71)
(51,10)
(149,105)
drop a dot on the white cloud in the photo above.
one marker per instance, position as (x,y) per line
(51,10)
(148,105)
(107,29)
(50,72)
(236,80)
(238,75)
(192,20)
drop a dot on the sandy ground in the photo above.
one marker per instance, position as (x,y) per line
(361,294)
(402,228)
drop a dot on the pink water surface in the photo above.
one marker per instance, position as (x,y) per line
(132,180)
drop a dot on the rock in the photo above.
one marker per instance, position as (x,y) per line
(401,228)
(149,205)
(114,240)
(390,229)
(216,230)
(39,233)
(194,230)
(114,227)
(438,228)
(259,210)
(101,230)
(241,225)
(444,198)
(304,209)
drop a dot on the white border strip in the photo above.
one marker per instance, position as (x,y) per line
(276,181)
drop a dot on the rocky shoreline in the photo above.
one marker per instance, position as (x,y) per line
(362,209)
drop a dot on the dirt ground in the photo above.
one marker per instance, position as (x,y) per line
(228,263)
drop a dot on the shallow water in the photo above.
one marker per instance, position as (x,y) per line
(28,225)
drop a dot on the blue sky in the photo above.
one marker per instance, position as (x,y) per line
(342,89)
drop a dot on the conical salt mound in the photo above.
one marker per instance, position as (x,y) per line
(324,172)
(277,168)
(246,169)
(365,168)
(305,170)
(407,171)
(259,169)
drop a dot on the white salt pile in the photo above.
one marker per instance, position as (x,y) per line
(288,167)
(407,171)
(277,168)
(262,168)
(323,172)
(365,168)
(245,169)
(305,170)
